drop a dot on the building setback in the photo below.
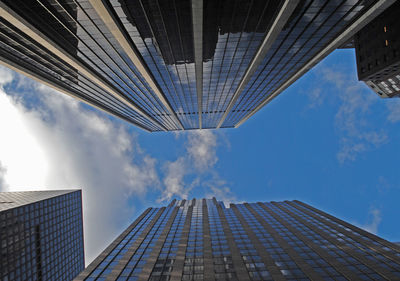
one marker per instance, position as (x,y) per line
(378,53)
(173,65)
(41,235)
(204,240)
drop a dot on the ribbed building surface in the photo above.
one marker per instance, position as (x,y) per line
(176,64)
(378,53)
(41,235)
(204,240)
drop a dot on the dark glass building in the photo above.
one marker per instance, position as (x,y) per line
(378,53)
(176,64)
(204,240)
(41,235)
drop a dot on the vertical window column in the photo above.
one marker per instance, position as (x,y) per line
(262,251)
(197,20)
(307,269)
(93,265)
(370,236)
(131,251)
(352,252)
(176,273)
(151,260)
(238,264)
(317,249)
(207,248)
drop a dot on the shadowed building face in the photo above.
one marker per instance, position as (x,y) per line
(378,53)
(41,235)
(174,65)
(204,240)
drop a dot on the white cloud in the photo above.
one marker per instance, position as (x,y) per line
(196,168)
(6,76)
(201,147)
(219,189)
(357,134)
(352,120)
(316,97)
(174,180)
(394,110)
(20,152)
(375,218)
(349,150)
(58,144)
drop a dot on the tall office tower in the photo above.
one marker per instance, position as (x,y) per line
(378,53)
(41,235)
(204,240)
(176,64)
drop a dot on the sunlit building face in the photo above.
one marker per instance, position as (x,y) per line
(204,240)
(176,65)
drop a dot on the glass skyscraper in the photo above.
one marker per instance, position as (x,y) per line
(176,64)
(204,240)
(41,235)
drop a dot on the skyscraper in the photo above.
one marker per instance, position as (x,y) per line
(204,240)
(378,53)
(181,64)
(41,235)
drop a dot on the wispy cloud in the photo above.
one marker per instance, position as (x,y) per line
(201,147)
(316,97)
(352,120)
(385,185)
(375,218)
(6,76)
(394,110)
(195,168)
(219,189)
(174,180)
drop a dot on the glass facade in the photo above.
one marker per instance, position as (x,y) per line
(150,63)
(311,27)
(233,32)
(41,235)
(162,33)
(204,240)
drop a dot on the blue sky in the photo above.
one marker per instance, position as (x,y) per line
(327,140)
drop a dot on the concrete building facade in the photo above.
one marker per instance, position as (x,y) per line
(378,53)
